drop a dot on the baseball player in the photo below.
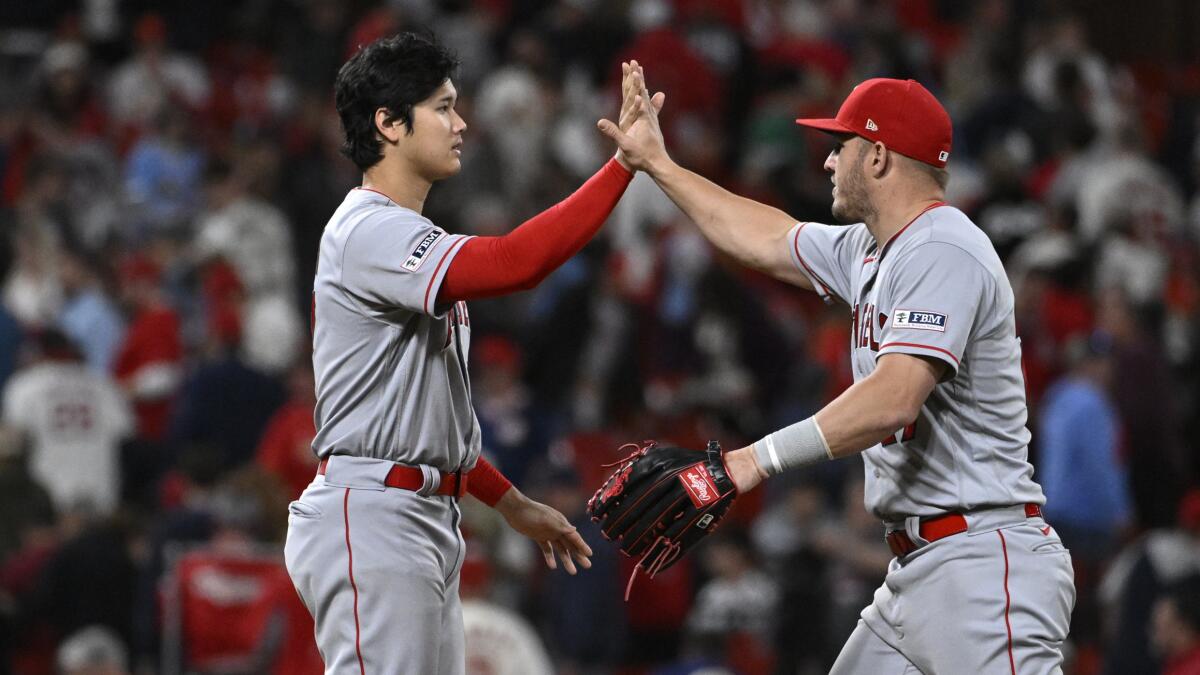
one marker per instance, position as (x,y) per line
(979,583)
(373,544)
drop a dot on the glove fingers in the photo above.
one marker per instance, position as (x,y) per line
(633,505)
(655,521)
(686,532)
(622,489)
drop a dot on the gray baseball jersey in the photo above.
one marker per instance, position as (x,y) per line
(390,367)
(936,289)
(377,567)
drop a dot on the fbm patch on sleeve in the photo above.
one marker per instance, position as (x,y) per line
(417,257)
(921,320)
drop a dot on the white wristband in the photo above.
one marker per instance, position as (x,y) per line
(798,445)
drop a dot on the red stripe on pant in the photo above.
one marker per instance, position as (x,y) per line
(1012,664)
(350,554)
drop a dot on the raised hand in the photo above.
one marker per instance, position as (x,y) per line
(637,134)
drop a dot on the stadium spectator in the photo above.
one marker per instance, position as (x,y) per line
(75,420)
(89,315)
(1159,559)
(154,79)
(225,403)
(1176,627)
(737,608)
(94,650)
(1079,451)
(286,447)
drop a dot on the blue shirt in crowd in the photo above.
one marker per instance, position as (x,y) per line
(93,323)
(1078,467)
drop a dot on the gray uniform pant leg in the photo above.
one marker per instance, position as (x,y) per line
(378,569)
(992,600)
(864,653)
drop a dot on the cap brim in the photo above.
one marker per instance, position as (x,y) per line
(828,125)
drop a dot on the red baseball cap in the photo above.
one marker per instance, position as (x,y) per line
(901,114)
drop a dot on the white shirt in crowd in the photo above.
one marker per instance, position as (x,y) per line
(75,420)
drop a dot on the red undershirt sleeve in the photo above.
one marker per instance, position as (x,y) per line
(486,483)
(519,260)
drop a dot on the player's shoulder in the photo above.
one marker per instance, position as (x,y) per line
(943,230)
(856,236)
(372,221)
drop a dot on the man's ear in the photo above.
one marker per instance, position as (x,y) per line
(391,128)
(881,158)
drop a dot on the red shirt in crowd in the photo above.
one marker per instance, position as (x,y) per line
(286,447)
(149,365)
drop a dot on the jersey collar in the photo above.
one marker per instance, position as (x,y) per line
(887,244)
(372,194)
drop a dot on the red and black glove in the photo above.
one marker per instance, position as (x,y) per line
(661,501)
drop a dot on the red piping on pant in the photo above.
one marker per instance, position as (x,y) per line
(350,553)
(1012,664)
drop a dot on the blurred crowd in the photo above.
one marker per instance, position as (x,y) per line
(167,168)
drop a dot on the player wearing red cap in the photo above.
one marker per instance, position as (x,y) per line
(980,583)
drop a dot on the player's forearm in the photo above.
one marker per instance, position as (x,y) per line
(750,231)
(863,415)
(853,422)
(866,413)
(519,260)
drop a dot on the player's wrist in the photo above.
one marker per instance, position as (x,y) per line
(623,162)
(744,469)
(659,165)
(510,502)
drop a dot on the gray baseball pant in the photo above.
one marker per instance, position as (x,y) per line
(994,599)
(378,569)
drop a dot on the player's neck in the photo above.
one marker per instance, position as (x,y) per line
(402,186)
(894,214)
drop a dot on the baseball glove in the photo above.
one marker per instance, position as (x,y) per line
(661,501)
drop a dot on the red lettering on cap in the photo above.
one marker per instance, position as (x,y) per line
(699,485)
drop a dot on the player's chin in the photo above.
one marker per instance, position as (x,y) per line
(451,168)
(843,214)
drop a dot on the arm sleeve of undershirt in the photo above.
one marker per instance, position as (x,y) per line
(935,293)
(825,253)
(486,483)
(519,260)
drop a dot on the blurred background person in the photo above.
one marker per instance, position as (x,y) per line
(93,651)
(1176,627)
(75,420)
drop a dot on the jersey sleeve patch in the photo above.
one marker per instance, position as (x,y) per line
(919,319)
(418,255)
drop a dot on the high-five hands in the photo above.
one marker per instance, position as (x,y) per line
(637,134)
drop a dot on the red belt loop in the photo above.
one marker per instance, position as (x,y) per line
(412,478)
(939,527)
(460,483)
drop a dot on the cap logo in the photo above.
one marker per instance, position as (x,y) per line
(871,126)
(943,156)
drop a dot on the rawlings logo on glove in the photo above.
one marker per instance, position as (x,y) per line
(699,486)
(661,501)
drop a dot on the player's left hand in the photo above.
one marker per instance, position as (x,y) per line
(554,534)
(633,95)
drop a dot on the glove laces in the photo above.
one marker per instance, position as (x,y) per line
(638,450)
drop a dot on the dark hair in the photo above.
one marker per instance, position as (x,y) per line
(393,73)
